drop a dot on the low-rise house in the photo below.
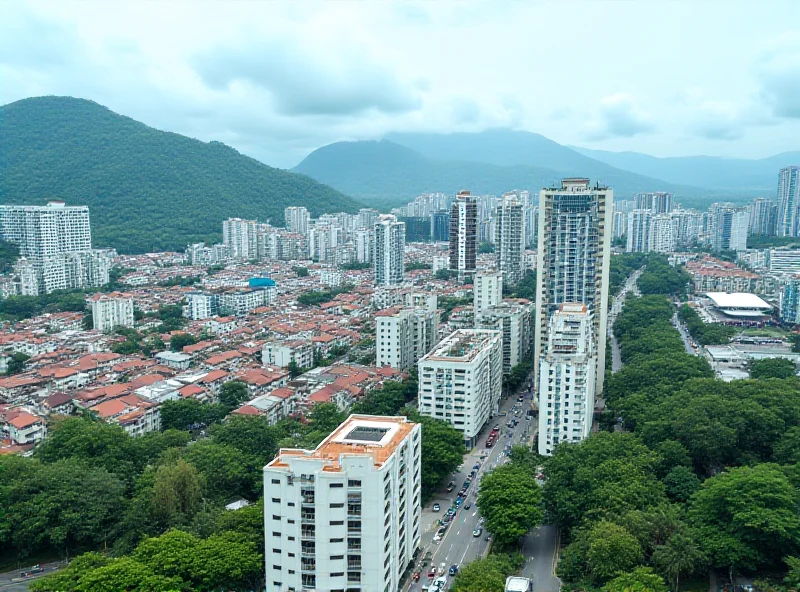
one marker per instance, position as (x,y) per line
(21,427)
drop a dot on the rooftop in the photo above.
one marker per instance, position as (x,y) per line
(370,435)
(737,300)
(462,345)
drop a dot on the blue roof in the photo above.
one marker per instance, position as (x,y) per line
(263,282)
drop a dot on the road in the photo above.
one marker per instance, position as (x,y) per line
(540,548)
(459,546)
(12,582)
(687,339)
(616,308)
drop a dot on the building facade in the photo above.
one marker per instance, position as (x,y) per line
(111,310)
(297,219)
(763,217)
(513,320)
(241,238)
(389,250)
(510,238)
(788,201)
(345,516)
(403,335)
(464,234)
(567,379)
(461,380)
(573,258)
(487,291)
(661,234)
(638,231)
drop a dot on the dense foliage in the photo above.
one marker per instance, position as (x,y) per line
(659,277)
(702,332)
(146,189)
(487,575)
(772,368)
(9,253)
(316,297)
(621,267)
(26,307)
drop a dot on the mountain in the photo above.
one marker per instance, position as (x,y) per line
(146,189)
(384,173)
(760,175)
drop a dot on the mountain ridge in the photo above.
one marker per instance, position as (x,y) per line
(146,189)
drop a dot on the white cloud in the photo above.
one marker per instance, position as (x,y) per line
(618,116)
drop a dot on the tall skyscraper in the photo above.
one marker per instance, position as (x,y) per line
(241,238)
(345,515)
(463,234)
(661,235)
(789,201)
(763,217)
(659,202)
(567,384)
(729,228)
(509,240)
(389,250)
(638,231)
(440,226)
(573,258)
(297,219)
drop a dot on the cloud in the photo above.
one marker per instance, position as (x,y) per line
(778,71)
(618,117)
(712,119)
(342,79)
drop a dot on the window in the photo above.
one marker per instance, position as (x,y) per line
(278,551)
(337,522)
(290,538)
(276,517)
(276,534)
(337,505)
(337,574)
(337,540)
(276,567)
(336,557)
(276,481)
(290,504)
(276,500)
(336,485)
(290,554)
(354,483)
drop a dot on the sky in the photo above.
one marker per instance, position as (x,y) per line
(277,80)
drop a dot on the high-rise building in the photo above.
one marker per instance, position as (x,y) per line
(440,226)
(763,217)
(403,335)
(513,320)
(56,243)
(620,225)
(366,218)
(345,515)
(389,250)
(730,225)
(686,224)
(789,201)
(783,260)
(567,378)
(573,258)
(661,234)
(363,245)
(111,310)
(297,219)
(241,238)
(510,238)
(487,290)
(638,231)
(658,202)
(463,234)
(461,380)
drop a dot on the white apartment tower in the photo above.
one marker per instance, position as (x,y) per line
(567,378)
(111,310)
(363,245)
(661,234)
(638,231)
(513,319)
(345,516)
(464,234)
(789,201)
(573,258)
(297,219)
(403,335)
(389,250)
(241,238)
(763,217)
(510,238)
(461,380)
(729,227)
(487,291)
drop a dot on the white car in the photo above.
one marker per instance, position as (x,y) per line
(439,583)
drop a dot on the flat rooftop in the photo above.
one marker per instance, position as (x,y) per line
(461,345)
(738,300)
(371,435)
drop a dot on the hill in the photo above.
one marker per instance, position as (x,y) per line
(387,174)
(759,175)
(146,189)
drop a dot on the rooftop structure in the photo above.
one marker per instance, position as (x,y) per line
(739,304)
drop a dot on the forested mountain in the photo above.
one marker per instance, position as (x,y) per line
(708,171)
(387,173)
(146,189)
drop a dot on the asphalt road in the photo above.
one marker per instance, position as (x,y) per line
(540,548)
(616,308)
(687,340)
(459,546)
(12,582)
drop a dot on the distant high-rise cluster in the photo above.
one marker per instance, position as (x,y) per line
(788,223)
(55,247)
(510,238)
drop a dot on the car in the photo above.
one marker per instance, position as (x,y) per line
(458,501)
(488,537)
(453,570)
(450,488)
(436,507)
(468,505)
(439,583)
(432,572)
(476,466)
(477,532)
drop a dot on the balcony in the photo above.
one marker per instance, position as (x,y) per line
(353,577)
(307,518)
(354,511)
(308,533)
(354,565)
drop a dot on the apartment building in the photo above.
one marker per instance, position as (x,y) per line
(573,258)
(788,222)
(729,227)
(241,238)
(461,380)
(345,516)
(638,231)
(403,335)
(567,378)
(487,291)
(297,219)
(763,217)
(283,353)
(509,238)
(661,234)
(389,250)
(464,234)
(513,320)
(111,310)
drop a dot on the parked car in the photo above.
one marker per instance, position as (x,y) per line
(436,507)
(477,532)
(468,505)
(432,572)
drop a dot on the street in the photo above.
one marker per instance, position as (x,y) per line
(12,582)
(616,308)
(687,339)
(459,546)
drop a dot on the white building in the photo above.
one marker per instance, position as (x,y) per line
(241,238)
(240,302)
(389,250)
(510,238)
(440,262)
(661,234)
(111,310)
(487,291)
(638,231)
(513,320)
(784,260)
(461,380)
(788,222)
(574,253)
(283,353)
(764,217)
(464,234)
(729,227)
(658,202)
(201,305)
(297,219)
(567,378)
(362,240)
(404,335)
(347,514)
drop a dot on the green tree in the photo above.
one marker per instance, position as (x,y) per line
(679,556)
(486,248)
(787,449)
(681,484)
(443,274)
(180,340)
(183,413)
(16,364)
(251,435)
(129,575)
(442,450)
(487,575)
(226,471)
(294,369)
(772,368)
(177,492)
(746,517)
(233,393)
(611,550)
(641,579)
(300,271)
(66,579)
(510,501)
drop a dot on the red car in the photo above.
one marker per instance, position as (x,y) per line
(432,572)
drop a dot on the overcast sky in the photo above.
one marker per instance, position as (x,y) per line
(279,79)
